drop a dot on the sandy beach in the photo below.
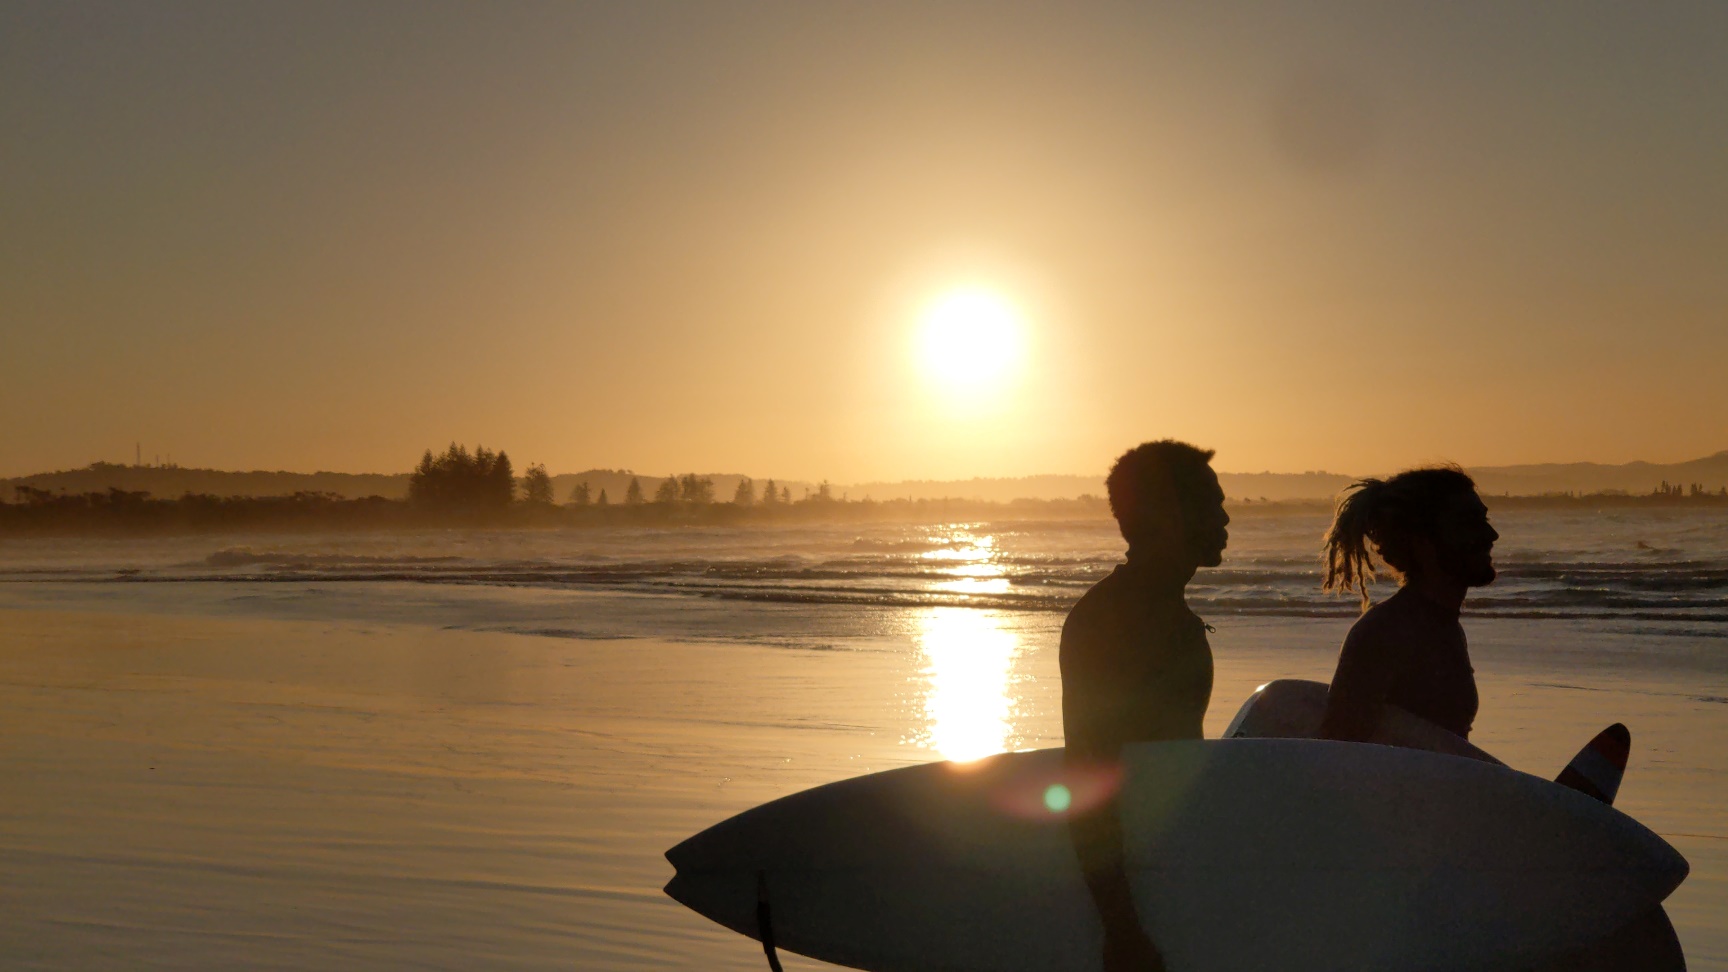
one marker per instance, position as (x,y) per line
(195,792)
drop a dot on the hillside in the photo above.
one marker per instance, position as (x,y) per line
(1518,480)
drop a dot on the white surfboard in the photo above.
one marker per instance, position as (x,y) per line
(1247,854)
(1293,708)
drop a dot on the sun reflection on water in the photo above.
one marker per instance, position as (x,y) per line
(969,659)
(973,569)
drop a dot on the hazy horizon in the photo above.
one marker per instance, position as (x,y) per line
(151,461)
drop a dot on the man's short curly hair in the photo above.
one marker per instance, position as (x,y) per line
(1155,474)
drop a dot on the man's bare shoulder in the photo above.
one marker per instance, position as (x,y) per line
(1099,607)
(1388,619)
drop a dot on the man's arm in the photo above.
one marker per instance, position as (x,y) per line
(1401,727)
(1097,836)
(1096,832)
(1094,709)
(1361,684)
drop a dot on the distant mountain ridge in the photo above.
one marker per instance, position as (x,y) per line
(1518,480)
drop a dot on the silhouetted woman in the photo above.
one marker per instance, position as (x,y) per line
(1408,652)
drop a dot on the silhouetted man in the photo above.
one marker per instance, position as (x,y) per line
(1136,666)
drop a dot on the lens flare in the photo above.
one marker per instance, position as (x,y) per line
(1057,798)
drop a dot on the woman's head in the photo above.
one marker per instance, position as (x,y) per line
(1421,520)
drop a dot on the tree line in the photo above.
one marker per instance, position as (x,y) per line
(689,489)
(459,480)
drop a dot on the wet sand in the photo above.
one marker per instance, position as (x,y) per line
(188,792)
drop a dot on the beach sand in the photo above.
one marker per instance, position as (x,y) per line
(186,792)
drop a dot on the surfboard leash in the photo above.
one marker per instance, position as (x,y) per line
(765,922)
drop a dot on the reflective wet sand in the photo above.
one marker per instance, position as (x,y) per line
(197,793)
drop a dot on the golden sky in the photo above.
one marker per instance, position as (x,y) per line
(712,236)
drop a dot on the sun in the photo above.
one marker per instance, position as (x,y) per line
(971,340)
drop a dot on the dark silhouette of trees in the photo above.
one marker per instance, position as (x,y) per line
(695,490)
(770,497)
(745,494)
(633,493)
(537,486)
(602,501)
(581,495)
(459,480)
(785,494)
(667,492)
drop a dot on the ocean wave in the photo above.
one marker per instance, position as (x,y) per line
(248,557)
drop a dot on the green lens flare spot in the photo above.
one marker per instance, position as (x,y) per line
(1057,798)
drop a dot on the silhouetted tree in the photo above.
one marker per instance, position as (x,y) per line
(633,493)
(695,490)
(503,478)
(602,501)
(785,494)
(745,494)
(537,486)
(460,480)
(580,495)
(770,496)
(667,491)
(824,494)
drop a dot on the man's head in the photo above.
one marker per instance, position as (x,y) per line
(1419,521)
(1167,500)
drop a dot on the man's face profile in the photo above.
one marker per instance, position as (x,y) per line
(1206,521)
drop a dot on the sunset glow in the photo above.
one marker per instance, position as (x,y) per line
(971,341)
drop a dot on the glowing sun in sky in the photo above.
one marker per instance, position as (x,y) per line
(971,340)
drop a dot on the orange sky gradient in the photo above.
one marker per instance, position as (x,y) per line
(701,236)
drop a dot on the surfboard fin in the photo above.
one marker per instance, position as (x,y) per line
(1598,767)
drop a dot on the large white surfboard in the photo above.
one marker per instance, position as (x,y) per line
(1246,854)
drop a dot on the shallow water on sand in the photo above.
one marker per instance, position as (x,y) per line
(365,772)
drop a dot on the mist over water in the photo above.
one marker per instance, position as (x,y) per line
(1665,570)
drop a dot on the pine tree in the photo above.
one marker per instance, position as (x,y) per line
(745,494)
(633,493)
(580,495)
(667,492)
(602,501)
(770,495)
(460,480)
(695,490)
(537,486)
